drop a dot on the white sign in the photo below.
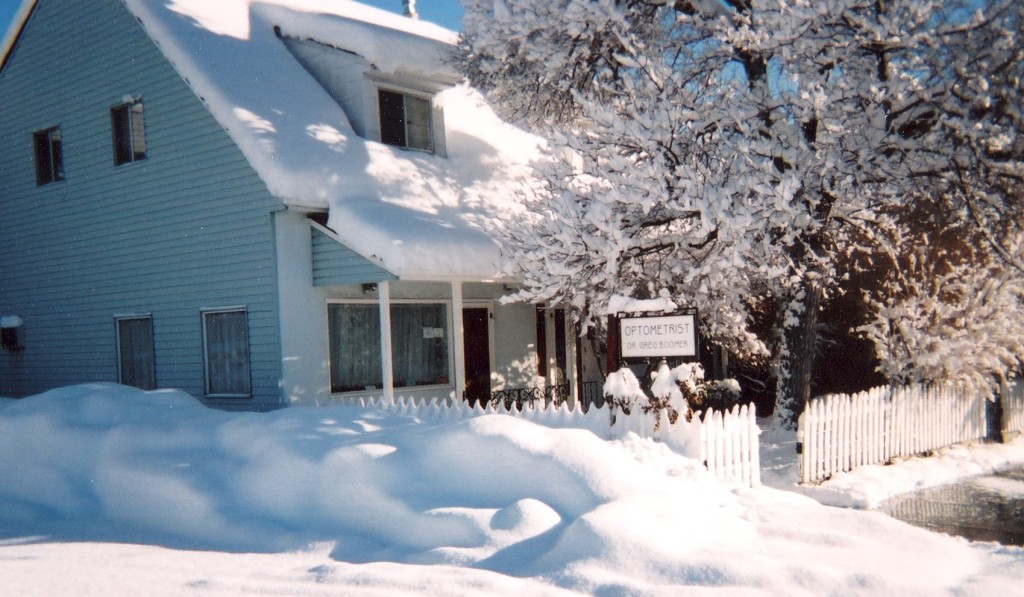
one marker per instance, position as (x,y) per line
(668,336)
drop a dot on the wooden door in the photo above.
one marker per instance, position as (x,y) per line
(476,339)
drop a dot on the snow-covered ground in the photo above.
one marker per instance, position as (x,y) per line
(109,490)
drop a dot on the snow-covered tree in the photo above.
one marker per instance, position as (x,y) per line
(949,310)
(733,154)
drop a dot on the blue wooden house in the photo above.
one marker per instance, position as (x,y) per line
(263,204)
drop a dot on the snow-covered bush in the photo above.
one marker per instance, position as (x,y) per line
(623,392)
(678,391)
(667,394)
(701,394)
(949,310)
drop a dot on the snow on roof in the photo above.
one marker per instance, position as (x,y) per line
(624,304)
(420,214)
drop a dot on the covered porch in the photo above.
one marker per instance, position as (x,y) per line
(352,329)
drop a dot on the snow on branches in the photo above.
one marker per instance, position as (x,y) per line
(948,310)
(733,154)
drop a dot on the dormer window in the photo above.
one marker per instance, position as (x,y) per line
(398,107)
(129,132)
(405,120)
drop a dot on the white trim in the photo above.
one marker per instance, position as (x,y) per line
(222,309)
(410,83)
(387,368)
(426,276)
(458,342)
(131,315)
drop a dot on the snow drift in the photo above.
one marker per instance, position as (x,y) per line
(562,507)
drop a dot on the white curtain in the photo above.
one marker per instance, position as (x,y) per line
(227,353)
(419,340)
(354,331)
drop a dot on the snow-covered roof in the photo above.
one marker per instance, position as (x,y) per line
(420,214)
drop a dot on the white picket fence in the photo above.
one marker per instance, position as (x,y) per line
(839,432)
(730,444)
(1011,395)
(726,442)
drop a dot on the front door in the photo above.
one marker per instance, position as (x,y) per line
(475,338)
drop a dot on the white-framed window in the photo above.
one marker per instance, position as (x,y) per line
(226,352)
(136,355)
(405,120)
(128,131)
(420,345)
(48,145)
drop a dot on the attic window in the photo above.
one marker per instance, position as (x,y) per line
(405,120)
(129,132)
(49,150)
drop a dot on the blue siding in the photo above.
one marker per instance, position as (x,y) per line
(334,264)
(187,228)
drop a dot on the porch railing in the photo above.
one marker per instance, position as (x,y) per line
(591,395)
(519,397)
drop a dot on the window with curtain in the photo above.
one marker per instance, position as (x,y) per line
(226,351)
(136,363)
(419,343)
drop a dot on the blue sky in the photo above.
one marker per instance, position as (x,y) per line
(7,8)
(442,12)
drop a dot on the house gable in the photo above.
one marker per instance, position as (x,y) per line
(186,229)
(407,206)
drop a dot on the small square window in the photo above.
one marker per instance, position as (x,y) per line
(405,120)
(129,133)
(226,353)
(49,150)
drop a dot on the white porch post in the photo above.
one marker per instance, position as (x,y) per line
(572,361)
(387,367)
(458,342)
